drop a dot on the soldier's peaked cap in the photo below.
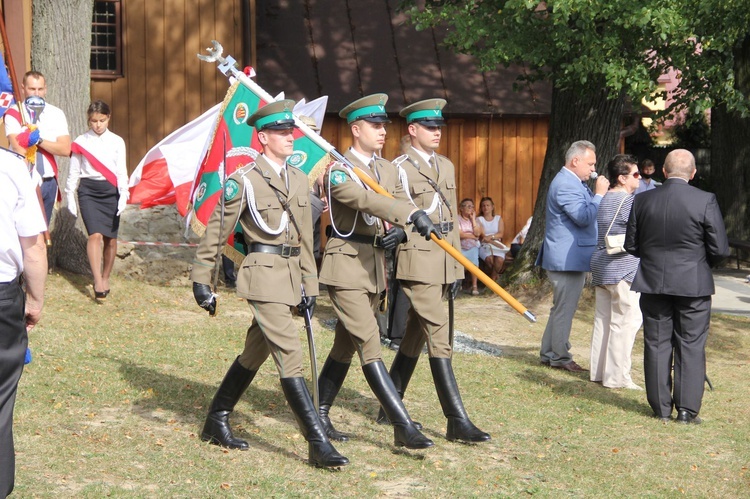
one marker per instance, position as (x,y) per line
(425,112)
(369,108)
(274,116)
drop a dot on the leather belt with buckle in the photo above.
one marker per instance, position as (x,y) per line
(442,227)
(376,241)
(284,250)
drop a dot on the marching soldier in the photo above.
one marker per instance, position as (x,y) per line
(354,265)
(425,270)
(271,202)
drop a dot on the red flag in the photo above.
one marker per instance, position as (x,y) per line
(165,174)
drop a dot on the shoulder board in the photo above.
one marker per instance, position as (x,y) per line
(383,160)
(14,153)
(242,171)
(440,156)
(339,165)
(400,159)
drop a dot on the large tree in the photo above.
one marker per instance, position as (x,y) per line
(61,50)
(598,55)
(730,152)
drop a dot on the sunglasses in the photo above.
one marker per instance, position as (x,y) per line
(634,174)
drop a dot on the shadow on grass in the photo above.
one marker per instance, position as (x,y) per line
(189,400)
(82,283)
(579,386)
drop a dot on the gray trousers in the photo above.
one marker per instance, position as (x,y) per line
(675,328)
(567,287)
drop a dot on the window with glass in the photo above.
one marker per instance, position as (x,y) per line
(106,40)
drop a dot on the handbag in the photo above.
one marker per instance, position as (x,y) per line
(615,245)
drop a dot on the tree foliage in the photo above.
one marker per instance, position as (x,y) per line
(583,45)
(591,49)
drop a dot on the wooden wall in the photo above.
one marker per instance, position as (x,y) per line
(501,158)
(165,86)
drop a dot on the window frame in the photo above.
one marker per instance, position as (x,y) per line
(118,72)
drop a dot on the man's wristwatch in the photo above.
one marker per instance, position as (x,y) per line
(40,142)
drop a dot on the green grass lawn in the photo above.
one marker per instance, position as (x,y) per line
(114,401)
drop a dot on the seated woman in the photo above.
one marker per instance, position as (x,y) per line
(492,250)
(470,233)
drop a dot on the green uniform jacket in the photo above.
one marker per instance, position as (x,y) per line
(351,265)
(263,277)
(418,259)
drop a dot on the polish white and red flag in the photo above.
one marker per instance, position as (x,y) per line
(166,173)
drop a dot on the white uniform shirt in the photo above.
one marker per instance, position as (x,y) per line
(107,148)
(20,213)
(52,124)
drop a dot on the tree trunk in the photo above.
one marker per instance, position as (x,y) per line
(574,116)
(61,50)
(730,154)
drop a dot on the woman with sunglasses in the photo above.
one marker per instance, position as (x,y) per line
(618,316)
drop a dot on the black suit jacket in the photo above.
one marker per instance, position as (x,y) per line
(678,233)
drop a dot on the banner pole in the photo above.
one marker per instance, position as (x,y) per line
(227,67)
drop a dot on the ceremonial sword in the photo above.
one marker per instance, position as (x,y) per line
(313,356)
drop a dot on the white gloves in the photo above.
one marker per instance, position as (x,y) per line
(123,201)
(72,207)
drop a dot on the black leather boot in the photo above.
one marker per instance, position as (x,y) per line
(405,434)
(329,383)
(216,430)
(401,371)
(459,425)
(320,451)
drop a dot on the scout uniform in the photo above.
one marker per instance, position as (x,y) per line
(424,271)
(354,271)
(274,212)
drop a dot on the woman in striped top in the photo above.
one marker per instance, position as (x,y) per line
(618,315)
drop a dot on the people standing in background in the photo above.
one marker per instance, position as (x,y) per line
(22,252)
(470,233)
(53,138)
(99,173)
(646,171)
(569,241)
(678,232)
(617,317)
(492,251)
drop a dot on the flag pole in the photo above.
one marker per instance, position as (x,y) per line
(17,97)
(228,68)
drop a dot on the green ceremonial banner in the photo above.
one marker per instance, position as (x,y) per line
(234,139)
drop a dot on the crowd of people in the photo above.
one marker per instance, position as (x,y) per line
(650,254)
(649,257)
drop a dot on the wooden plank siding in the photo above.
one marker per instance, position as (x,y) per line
(165,85)
(501,158)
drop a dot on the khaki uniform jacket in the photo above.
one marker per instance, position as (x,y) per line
(419,259)
(351,265)
(264,277)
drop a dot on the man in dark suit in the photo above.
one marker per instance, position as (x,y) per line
(678,233)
